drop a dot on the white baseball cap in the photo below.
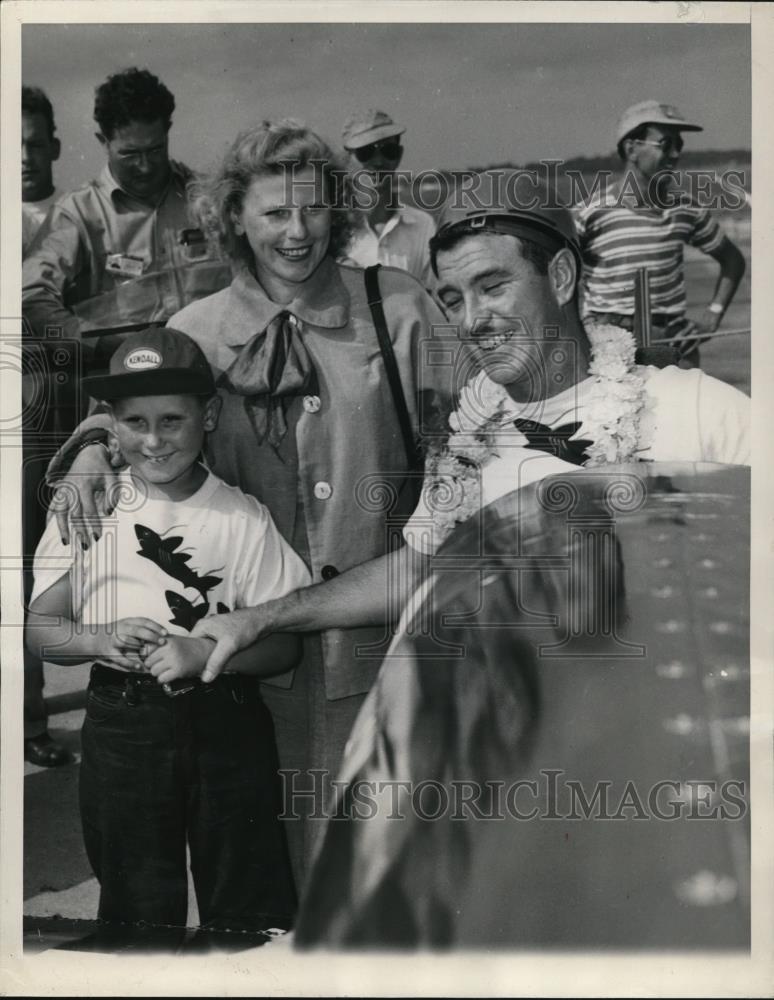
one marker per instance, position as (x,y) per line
(652,113)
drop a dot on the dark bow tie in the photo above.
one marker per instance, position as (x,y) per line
(555,440)
(270,369)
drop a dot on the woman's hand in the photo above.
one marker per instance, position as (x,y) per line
(85,495)
(231,632)
(129,640)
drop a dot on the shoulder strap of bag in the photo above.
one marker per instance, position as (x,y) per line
(374,297)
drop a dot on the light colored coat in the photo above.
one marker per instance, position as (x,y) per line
(326,485)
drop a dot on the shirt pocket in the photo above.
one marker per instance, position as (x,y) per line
(200,265)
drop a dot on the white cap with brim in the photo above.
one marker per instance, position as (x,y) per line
(369,126)
(652,113)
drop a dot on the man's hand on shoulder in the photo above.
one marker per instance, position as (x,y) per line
(85,495)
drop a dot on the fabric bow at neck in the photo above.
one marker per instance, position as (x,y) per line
(270,369)
(554,440)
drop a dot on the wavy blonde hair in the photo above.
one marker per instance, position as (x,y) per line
(265,150)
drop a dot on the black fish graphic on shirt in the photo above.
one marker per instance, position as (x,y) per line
(185,614)
(161,552)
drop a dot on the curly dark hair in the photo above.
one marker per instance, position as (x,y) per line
(268,149)
(35,102)
(133,95)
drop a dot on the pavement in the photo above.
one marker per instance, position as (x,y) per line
(57,877)
(60,892)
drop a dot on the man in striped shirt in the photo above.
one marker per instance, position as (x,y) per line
(641,221)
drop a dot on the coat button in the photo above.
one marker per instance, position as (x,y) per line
(323,490)
(312,404)
(328,572)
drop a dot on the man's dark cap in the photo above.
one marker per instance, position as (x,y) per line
(505,202)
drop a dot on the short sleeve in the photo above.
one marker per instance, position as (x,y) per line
(53,560)
(419,532)
(579,213)
(706,234)
(272,568)
(445,502)
(724,422)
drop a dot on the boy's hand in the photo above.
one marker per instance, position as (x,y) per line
(181,656)
(130,638)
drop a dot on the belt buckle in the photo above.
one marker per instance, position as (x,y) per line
(171,693)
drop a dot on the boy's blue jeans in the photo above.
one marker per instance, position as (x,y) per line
(199,768)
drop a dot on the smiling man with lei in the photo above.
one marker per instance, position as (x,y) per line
(548,403)
(549,397)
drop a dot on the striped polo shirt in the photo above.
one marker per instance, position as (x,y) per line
(619,237)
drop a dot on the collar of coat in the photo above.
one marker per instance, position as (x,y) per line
(321,301)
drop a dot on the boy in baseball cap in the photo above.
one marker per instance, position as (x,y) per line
(169,762)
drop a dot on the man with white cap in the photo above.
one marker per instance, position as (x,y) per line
(385,231)
(642,222)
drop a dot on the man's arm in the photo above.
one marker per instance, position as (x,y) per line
(55,261)
(271,655)
(52,634)
(369,594)
(732,268)
(186,656)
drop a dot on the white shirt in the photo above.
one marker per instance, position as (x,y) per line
(403,242)
(173,562)
(687,416)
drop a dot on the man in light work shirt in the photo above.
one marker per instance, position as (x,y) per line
(642,222)
(39,149)
(385,232)
(120,249)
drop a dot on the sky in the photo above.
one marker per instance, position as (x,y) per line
(468,94)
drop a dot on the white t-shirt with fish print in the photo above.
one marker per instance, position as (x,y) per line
(173,562)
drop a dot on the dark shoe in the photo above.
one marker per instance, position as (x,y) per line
(45,752)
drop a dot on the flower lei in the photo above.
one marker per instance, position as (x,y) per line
(612,416)
(452,491)
(611,420)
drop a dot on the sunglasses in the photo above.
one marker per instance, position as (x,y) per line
(389,148)
(667,144)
